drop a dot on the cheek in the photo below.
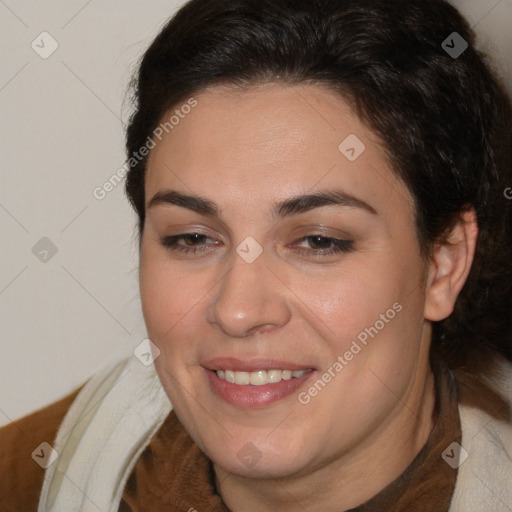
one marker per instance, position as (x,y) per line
(170,296)
(370,314)
(343,304)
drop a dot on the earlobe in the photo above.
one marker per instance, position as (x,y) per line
(449,267)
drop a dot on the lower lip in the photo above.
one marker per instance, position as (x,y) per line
(255,396)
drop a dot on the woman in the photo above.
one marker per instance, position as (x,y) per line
(324,274)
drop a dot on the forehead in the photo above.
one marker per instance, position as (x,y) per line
(275,141)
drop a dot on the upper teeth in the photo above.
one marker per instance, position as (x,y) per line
(259,377)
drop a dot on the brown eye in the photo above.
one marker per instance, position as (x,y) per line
(323,246)
(319,242)
(191,243)
(194,238)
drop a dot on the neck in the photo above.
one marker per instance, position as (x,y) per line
(359,473)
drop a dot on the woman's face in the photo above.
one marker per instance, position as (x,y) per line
(301,254)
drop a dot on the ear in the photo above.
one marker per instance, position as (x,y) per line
(449,267)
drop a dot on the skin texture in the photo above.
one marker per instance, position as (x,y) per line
(246,150)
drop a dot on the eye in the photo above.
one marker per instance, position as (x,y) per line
(324,246)
(320,246)
(192,243)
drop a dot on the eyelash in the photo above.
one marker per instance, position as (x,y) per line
(171,243)
(340,246)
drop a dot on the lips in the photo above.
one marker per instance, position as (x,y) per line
(252,365)
(261,393)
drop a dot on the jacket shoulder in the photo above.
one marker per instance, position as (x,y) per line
(21,477)
(485,472)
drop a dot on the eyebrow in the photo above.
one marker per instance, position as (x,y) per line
(292,206)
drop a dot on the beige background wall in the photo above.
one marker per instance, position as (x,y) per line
(68,275)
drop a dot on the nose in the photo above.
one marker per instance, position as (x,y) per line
(250,298)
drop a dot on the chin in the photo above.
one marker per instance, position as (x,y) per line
(252,460)
(265,468)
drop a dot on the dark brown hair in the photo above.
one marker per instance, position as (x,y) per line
(444,120)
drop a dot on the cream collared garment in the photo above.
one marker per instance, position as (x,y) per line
(108,425)
(485,477)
